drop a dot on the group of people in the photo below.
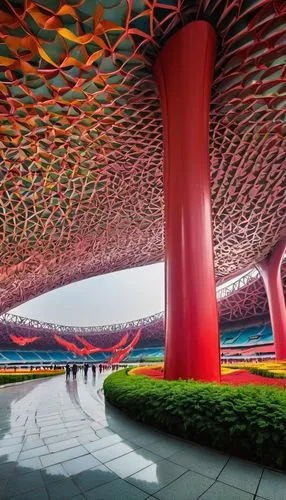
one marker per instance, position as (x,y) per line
(74,369)
(85,367)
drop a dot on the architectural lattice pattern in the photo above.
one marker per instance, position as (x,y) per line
(81,188)
(244,299)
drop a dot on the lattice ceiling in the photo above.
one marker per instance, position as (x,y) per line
(81,189)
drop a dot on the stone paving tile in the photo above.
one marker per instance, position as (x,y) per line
(7,450)
(63,445)
(56,419)
(33,443)
(129,434)
(133,462)
(78,433)
(102,443)
(189,486)
(202,460)
(38,494)
(10,441)
(57,438)
(272,485)
(114,451)
(9,457)
(6,469)
(220,491)
(50,424)
(165,447)
(30,463)
(93,478)
(76,422)
(62,456)
(62,489)
(105,432)
(96,426)
(54,432)
(29,482)
(77,465)
(241,474)
(87,438)
(35,452)
(54,473)
(32,435)
(14,434)
(145,438)
(32,431)
(3,483)
(124,491)
(156,476)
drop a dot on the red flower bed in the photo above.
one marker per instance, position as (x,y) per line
(242,377)
(238,377)
(149,372)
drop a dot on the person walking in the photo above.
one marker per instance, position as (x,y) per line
(93,369)
(74,371)
(85,369)
(68,371)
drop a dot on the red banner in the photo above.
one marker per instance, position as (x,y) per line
(71,347)
(120,354)
(90,349)
(23,340)
(103,349)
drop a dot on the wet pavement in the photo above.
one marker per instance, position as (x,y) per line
(58,440)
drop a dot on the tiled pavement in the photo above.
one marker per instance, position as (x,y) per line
(59,441)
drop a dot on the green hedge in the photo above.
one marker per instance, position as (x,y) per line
(10,378)
(248,421)
(263,372)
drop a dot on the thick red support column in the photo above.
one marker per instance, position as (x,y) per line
(270,270)
(184,71)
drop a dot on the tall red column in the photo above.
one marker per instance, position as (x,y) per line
(184,72)
(270,270)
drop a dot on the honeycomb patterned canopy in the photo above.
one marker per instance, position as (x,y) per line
(81,187)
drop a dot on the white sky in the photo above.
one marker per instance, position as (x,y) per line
(103,300)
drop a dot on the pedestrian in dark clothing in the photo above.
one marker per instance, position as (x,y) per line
(93,369)
(74,371)
(85,369)
(68,371)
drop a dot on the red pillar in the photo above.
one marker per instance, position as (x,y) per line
(184,71)
(270,270)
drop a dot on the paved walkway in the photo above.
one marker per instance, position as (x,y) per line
(59,441)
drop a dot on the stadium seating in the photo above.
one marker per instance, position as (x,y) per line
(250,336)
(240,342)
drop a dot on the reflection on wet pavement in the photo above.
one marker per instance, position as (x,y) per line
(59,440)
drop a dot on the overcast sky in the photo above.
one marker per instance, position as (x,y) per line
(112,298)
(104,300)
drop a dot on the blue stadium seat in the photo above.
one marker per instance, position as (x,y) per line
(12,356)
(30,356)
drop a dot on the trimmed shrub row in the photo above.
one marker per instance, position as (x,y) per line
(264,372)
(247,421)
(10,379)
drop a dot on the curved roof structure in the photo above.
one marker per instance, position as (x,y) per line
(243,299)
(81,191)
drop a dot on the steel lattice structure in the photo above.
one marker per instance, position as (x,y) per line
(244,299)
(81,188)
